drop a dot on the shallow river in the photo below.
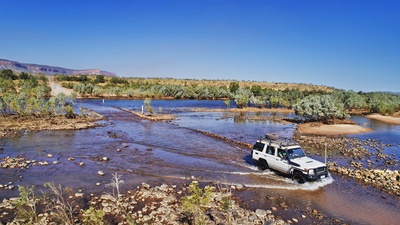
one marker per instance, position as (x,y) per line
(173,152)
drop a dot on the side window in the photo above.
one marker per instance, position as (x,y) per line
(259,146)
(281,153)
(271,150)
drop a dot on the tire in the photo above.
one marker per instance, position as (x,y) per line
(262,164)
(273,136)
(298,176)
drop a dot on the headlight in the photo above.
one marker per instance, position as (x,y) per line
(311,172)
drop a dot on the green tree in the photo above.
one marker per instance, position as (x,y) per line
(320,108)
(8,74)
(198,201)
(257,90)
(242,97)
(99,79)
(23,76)
(233,87)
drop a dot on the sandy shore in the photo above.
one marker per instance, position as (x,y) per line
(386,119)
(331,130)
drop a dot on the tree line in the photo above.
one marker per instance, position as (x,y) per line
(312,103)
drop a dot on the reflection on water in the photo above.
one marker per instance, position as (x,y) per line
(159,152)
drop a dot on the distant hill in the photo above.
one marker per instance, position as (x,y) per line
(47,70)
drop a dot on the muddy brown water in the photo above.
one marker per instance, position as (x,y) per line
(173,152)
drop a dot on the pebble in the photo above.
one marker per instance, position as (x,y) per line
(100,173)
(79,195)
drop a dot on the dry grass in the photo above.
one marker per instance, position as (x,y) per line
(218,83)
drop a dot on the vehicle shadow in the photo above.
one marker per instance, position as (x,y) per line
(249,160)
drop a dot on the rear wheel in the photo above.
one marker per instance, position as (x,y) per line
(262,164)
(298,176)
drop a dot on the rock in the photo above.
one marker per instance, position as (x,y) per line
(107,209)
(79,195)
(100,173)
(105,159)
(279,222)
(239,186)
(49,155)
(295,220)
(106,197)
(45,163)
(145,186)
(261,213)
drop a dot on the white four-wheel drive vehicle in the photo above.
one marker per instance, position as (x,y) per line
(287,158)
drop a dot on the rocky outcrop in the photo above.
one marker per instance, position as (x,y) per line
(47,70)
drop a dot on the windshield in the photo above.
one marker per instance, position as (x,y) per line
(295,153)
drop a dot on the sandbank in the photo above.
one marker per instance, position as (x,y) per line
(385,119)
(331,130)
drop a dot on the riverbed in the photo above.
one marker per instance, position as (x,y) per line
(175,152)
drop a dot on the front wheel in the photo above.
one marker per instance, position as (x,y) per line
(298,176)
(262,165)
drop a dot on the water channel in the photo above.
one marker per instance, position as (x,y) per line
(173,152)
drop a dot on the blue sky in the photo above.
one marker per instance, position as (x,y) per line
(344,44)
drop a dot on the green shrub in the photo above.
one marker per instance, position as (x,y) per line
(93,217)
(198,201)
(25,205)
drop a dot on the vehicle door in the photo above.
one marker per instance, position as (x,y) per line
(258,151)
(281,162)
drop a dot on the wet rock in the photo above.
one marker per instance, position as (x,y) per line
(79,195)
(100,173)
(45,163)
